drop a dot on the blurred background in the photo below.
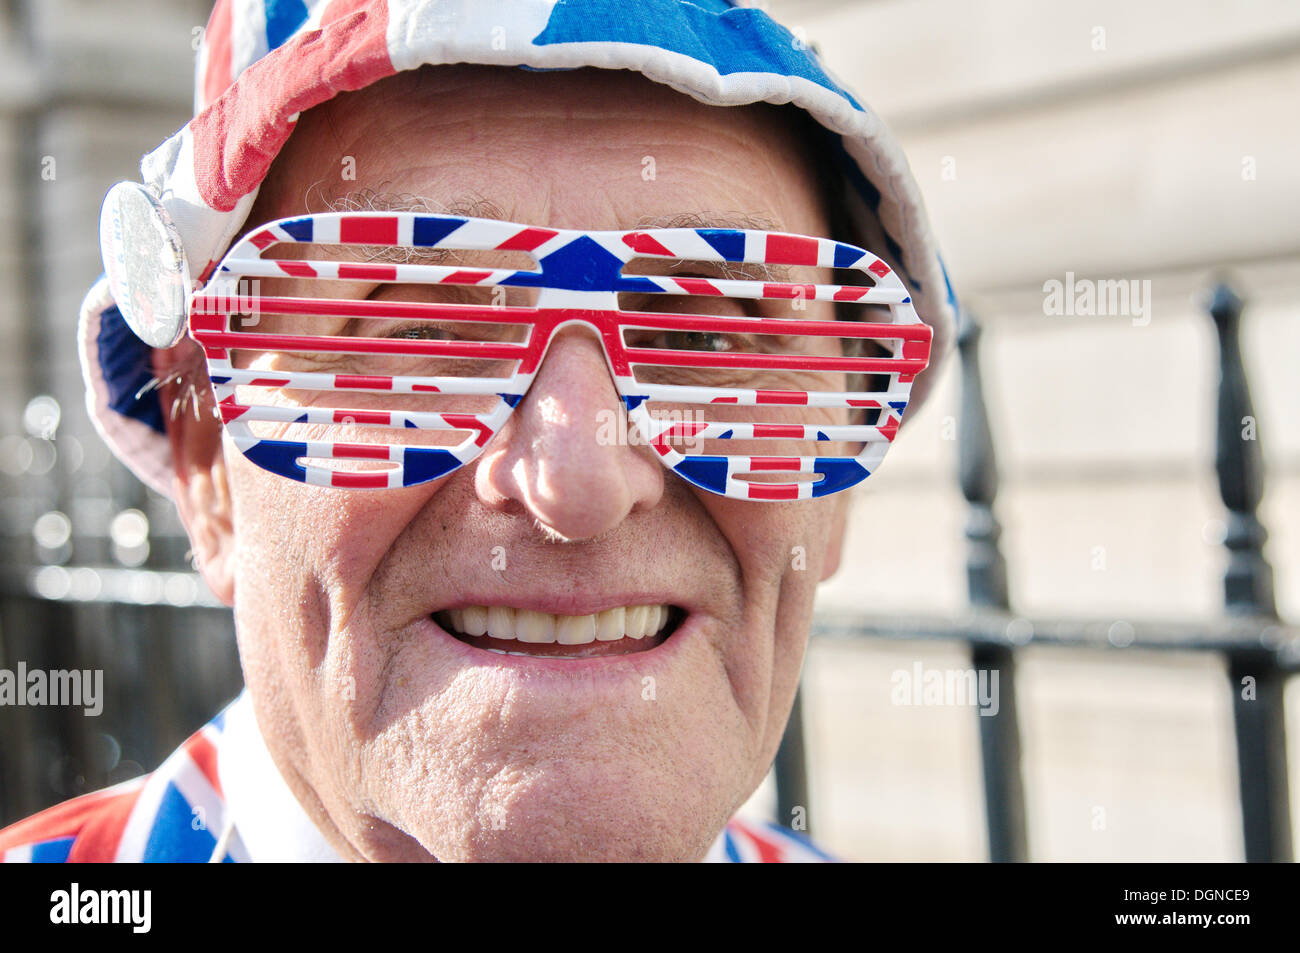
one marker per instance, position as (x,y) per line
(1109,141)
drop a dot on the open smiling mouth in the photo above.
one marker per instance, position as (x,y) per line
(508,631)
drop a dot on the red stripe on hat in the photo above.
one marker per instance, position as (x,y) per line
(216,38)
(341,8)
(240,134)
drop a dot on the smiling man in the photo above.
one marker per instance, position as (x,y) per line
(473,627)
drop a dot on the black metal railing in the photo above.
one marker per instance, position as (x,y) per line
(1259,651)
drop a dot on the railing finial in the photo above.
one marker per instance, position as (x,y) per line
(1248,580)
(986,569)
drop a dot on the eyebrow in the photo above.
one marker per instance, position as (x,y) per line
(736,220)
(471,205)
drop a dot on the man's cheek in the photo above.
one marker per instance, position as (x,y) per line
(781,538)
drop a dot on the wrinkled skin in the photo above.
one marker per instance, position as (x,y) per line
(402,743)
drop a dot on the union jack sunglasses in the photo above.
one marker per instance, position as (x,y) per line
(381,356)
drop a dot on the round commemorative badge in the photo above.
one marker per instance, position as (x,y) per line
(144,261)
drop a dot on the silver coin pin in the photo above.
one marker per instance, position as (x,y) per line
(144,261)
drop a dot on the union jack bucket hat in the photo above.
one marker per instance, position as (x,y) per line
(263,62)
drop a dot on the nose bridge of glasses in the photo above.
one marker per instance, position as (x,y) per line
(578,313)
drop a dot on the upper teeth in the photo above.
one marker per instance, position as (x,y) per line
(525,625)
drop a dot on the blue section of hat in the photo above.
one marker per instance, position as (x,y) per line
(731,40)
(283,17)
(126,364)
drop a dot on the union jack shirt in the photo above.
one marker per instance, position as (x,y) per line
(220,799)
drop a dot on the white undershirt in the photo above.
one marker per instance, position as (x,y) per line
(268,820)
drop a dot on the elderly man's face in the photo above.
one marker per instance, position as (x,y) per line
(403,741)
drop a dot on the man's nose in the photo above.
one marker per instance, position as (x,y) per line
(564,454)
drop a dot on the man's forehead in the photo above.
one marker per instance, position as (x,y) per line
(622,169)
(411,127)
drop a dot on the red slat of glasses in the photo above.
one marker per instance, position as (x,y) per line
(359,481)
(246,340)
(552,316)
(862,365)
(361,451)
(774,463)
(763,431)
(773,491)
(629,320)
(341,307)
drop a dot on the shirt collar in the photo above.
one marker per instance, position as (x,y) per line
(269,821)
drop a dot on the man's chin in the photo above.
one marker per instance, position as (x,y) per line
(643,812)
(645,832)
